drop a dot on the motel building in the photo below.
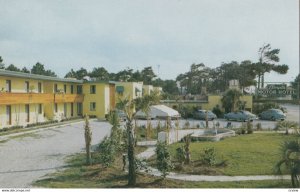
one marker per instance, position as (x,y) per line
(28,98)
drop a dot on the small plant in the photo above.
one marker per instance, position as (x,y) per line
(249,127)
(88,140)
(107,152)
(208,157)
(163,159)
(180,155)
(187,125)
(187,142)
(286,125)
(198,126)
(258,127)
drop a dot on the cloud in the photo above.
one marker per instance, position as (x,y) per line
(118,34)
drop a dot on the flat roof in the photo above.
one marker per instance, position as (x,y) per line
(38,77)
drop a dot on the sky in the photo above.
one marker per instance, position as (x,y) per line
(168,35)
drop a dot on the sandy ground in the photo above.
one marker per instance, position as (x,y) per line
(30,157)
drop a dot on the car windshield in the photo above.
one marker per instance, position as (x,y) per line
(277,111)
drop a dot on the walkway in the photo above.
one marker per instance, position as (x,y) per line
(185,177)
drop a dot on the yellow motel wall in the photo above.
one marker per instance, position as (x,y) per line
(19,116)
(101,98)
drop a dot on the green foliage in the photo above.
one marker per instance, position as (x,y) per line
(208,156)
(296,87)
(258,127)
(180,155)
(39,69)
(249,127)
(260,107)
(187,142)
(290,151)
(186,111)
(107,150)
(216,110)
(281,125)
(230,99)
(12,67)
(163,159)
(88,140)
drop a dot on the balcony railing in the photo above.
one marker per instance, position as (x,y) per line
(27,98)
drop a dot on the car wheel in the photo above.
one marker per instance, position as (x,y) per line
(273,119)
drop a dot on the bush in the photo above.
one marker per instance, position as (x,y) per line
(163,159)
(186,111)
(41,123)
(249,128)
(216,110)
(208,157)
(11,128)
(258,127)
(260,107)
(180,155)
(107,152)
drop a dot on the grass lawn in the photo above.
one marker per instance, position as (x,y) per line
(78,175)
(253,154)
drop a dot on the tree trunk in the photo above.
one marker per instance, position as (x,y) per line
(131,158)
(88,154)
(262,80)
(258,85)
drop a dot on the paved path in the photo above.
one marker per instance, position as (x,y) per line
(27,158)
(185,177)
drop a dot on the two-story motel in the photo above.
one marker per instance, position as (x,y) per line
(29,98)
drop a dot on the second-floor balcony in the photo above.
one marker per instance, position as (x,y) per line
(27,98)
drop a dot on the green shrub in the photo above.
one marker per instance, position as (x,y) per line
(216,110)
(180,155)
(258,127)
(208,157)
(107,152)
(249,127)
(260,107)
(163,159)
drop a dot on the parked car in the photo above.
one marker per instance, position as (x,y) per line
(240,116)
(272,114)
(201,114)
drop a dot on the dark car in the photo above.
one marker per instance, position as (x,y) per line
(201,114)
(240,116)
(272,114)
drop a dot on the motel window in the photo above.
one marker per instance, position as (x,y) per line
(8,85)
(72,109)
(120,90)
(65,88)
(55,107)
(27,86)
(79,109)
(8,114)
(27,112)
(79,89)
(93,89)
(65,109)
(55,88)
(93,106)
(40,109)
(72,89)
(39,87)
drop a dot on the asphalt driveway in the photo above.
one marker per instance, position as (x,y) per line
(28,157)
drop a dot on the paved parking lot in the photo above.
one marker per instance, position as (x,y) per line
(27,158)
(292,115)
